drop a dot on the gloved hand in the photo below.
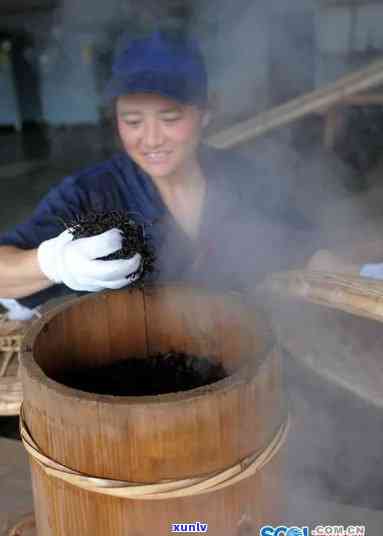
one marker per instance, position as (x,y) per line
(375,271)
(73,262)
(16,311)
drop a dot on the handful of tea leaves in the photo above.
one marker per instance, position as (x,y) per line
(135,237)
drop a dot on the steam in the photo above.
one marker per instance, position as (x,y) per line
(247,46)
(334,372)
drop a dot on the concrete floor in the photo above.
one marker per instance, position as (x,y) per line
(15,486)
(22,183)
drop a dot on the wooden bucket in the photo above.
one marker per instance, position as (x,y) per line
(130,466)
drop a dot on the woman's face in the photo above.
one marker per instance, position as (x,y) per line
(160,135)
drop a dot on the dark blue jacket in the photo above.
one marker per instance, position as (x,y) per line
(232,245)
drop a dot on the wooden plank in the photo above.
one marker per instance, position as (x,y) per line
(332,128)
(316,101)
(364,100)
(360,296)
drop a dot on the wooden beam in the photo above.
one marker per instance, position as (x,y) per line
(332,128)
(364,100)
(317,101)
(369,99)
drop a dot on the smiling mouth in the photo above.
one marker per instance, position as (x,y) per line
(157,156)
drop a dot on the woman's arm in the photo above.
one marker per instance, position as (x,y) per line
(20,274)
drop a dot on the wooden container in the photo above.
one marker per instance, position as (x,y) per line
(238,422)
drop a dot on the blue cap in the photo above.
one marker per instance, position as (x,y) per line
(163,64)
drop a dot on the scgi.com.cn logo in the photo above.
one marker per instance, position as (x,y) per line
(284,531)
(320,530)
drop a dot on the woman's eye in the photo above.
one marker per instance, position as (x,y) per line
(132,123)
(171,118)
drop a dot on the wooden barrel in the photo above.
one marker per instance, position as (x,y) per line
(133,466)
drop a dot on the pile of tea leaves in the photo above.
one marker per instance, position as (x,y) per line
(135,239)
(157,374)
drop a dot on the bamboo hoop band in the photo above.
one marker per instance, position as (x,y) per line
(161,490)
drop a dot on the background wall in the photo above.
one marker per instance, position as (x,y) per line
(9,110)
(271,53)
(348,36)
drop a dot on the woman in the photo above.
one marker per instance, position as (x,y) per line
(204,202)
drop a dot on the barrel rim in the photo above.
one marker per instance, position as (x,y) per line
(242,376)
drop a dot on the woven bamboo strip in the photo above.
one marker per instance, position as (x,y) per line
(10,342)
(7,358)
(160,490)
(11,393)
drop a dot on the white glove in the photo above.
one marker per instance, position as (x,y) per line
(16,311)
(73,262)
(374,271)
